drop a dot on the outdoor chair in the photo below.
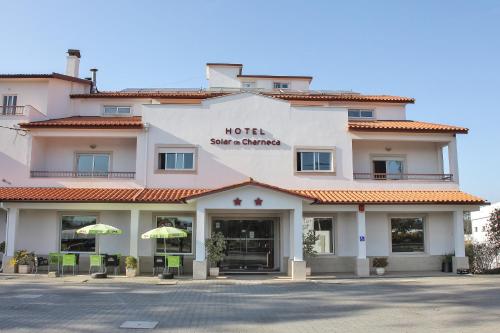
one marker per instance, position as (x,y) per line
(158,263)
(41,261)
(95,261)
(69,260)
(112,261)
(55,259)
(174,262)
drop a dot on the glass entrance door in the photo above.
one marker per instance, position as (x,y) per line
(249,243)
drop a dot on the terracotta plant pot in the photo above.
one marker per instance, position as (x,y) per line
(380,271)
(24,269)
(214,271)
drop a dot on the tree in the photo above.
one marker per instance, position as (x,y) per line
(494,229)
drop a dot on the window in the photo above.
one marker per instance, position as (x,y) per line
(483,229)
(176,158)
(388,169)
(360,113)
(117,110)
(73,242)
(315,161)
(175,245)
(281,85)
(407,234)
(248,84)
(92,165)
(323,228)
(9,104)
(475,229)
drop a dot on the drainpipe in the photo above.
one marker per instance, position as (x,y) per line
(2,206)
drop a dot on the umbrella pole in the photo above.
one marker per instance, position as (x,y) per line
(165,254)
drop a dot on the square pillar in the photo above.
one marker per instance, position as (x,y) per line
(200,262)
(297,266)
(10,239)
(453,158)
(134,236)
(459,260)
(362,263)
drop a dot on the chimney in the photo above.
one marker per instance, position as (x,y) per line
(94,80)
(73,63)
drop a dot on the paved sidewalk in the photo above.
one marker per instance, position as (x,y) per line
(412,304)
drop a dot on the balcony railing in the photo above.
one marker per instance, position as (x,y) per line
(7,110)
(84,174)
(443,177)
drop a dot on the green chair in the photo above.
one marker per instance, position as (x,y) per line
(174,262)
(95,261)
(68,260)
(55,259)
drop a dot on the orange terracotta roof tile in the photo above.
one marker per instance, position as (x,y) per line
(250,181)
(295,96)
(87,122)
(404,126)
(45,76)
(391,197)
(37,194)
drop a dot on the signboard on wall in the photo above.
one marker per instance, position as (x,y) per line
(246,136)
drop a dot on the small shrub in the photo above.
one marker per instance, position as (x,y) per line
(23,257)
(380,262)
(131,262)
(309,240)
(481,257)
(215,246)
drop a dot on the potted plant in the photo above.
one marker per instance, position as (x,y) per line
(131,266)
(24,260)
(447,264)
(215,246)
(309,240)
(380,264)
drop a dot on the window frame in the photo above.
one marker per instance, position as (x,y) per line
(386,158)
(288,84)
(334,239)
(117,114)
(360,112)
(77,213)
(163,148)
(110,163)
(333,160)
(252,83)
(176,214)
(424,218)
(5,107)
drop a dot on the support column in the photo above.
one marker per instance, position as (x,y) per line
(134,236)
(453,158)
(297,265)
(362,263)
(200,262)
(10,239)
(460,261)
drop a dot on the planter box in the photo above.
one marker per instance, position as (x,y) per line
(214,271)
(23,269)
(131,272)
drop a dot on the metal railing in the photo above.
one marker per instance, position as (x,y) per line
(444,177)
(7,110)
(82,174)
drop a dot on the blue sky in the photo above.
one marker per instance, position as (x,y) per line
(443,53)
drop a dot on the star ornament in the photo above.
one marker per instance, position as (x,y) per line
(237,202)
(258,202)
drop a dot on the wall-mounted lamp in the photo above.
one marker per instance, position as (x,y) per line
(93,146)
(388,148)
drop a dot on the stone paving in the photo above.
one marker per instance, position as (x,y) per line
(435,304)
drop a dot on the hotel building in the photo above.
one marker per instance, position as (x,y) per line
(261,158)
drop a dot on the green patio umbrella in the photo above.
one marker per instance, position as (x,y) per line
(99,229)
(164,232)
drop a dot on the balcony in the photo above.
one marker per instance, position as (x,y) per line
(79,174)
(7,110)
(441,177)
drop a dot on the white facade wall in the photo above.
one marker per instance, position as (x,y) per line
(223,76)
(480,221)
